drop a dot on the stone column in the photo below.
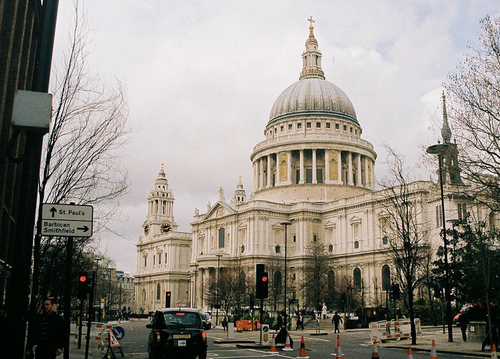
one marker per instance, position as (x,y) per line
(277,164)
(326,176)
(367,175)
(269,183)
(339,164)
(314,178)
(301,180)
(349,170)
(289,167)
(358,180)
(261,173)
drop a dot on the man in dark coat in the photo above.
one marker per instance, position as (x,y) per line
(336,320)
(47,333)
(463,320)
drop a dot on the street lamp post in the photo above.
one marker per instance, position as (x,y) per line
(285,224)
(439,150)
(188,289)
(217,295)
(108,298)
(97,260)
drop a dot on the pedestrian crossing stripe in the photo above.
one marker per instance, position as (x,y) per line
(113,342)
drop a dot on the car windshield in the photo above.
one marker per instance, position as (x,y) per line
(183,319)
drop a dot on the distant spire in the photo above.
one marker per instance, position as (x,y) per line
(311,58)
(445,130)
(239,193)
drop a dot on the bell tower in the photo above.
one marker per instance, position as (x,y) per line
(160,218)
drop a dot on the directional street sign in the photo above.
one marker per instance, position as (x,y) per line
(67,220)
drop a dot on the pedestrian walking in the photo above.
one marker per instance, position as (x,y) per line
(300,322)
(336,320)
(46,332)
(463,320)
(323,310)
(279,322)
(224,323)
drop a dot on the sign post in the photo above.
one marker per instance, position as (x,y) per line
(67,220)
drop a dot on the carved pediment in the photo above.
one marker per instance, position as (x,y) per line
(218,210)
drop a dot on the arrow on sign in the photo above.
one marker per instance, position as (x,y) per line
(53,210)
(84,228)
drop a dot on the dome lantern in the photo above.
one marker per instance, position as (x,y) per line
(311,57)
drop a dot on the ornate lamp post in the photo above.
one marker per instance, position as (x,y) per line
(440,150)
(285,224)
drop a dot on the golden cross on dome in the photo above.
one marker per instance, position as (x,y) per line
(311,27)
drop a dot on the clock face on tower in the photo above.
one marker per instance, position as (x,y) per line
(165,227)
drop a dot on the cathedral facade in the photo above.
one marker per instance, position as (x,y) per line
(313,183)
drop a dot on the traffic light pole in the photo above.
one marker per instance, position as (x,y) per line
(90,314)
(67,295)
(80,324)
(261,317)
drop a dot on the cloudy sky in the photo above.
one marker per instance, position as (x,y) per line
(202,76)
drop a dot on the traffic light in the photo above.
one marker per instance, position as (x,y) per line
(395,293)
(83,285)
(262,285)
(167,299)
(343,298)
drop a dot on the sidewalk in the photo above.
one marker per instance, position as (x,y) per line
(75,353)
(424,341)
(458,346)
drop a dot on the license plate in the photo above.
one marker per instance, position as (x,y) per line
(181,343)
(182,336)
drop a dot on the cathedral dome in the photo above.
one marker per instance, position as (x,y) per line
(312,96)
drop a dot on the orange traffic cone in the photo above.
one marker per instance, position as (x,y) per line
(410,354)
(273,346)
(375,349)
(433,350)
(494,352)
(339,350)
(302,352)
(288,347)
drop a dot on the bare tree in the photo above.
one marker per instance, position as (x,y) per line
(408,237)
(475,112)
(316,268)
(81,161)
(274,267)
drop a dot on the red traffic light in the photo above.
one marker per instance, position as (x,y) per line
(168,294)
(82,278)
(264,278)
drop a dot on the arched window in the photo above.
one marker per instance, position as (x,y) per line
(158,291)
(386,278)
(330,248)
(357,278)
(222,234)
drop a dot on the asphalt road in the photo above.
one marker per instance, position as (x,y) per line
(355,345)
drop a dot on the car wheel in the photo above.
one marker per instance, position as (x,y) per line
(203,355)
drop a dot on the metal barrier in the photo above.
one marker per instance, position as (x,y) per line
(383,330)
(98,334)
